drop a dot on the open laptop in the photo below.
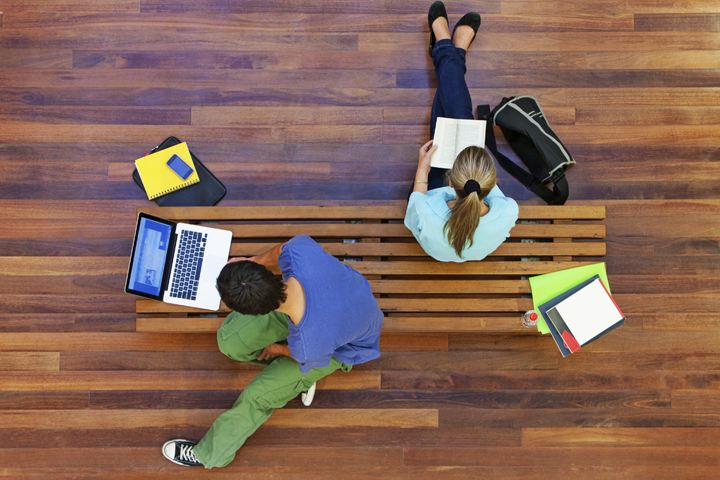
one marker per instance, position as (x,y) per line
(177,263)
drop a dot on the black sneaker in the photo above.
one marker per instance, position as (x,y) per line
(181,452)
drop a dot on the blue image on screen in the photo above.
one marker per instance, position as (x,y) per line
(150,254)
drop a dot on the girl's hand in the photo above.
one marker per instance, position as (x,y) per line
(426,152)
(423,169)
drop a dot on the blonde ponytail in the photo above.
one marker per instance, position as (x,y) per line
(473,163)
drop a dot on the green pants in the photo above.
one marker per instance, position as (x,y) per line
(243,338)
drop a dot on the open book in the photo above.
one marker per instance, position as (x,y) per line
(452,137)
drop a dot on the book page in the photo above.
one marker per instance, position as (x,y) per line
(445,139)
(469,133)
(589,312)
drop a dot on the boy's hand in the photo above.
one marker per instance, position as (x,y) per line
(274,350)
(239,259)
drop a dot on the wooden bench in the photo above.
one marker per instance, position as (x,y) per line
(417,293)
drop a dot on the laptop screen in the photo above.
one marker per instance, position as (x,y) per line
(148,262)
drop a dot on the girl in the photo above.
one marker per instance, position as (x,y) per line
(470,218)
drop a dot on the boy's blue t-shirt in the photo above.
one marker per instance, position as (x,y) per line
(341,319)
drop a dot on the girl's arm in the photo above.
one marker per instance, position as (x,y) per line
(423,168)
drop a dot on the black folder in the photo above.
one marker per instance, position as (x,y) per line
(205,193)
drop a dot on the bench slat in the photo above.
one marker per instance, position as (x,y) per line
(586,249)
(450,286)
(178,325)
(388,305)
(455,324)
(561,212)
(390,324)
(468,268)
(382,212)
(403,268)
(387,230)
(482,305)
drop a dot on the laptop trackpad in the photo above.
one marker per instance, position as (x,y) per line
(211,268)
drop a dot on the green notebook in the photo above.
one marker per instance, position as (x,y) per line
(548,286)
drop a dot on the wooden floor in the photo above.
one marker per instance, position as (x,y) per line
(311,101)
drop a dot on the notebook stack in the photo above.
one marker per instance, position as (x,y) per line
(581,315)
(166,188)
(576,306)
(158,178)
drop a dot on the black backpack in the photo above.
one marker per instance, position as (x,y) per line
(529,134)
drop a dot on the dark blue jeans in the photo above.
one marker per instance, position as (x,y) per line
(452,97)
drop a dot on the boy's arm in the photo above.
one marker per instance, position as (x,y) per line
(268,259)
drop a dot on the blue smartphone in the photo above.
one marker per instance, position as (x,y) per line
(178,166)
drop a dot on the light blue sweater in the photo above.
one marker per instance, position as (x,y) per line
(427,214)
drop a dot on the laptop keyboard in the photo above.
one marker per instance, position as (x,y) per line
(190,253)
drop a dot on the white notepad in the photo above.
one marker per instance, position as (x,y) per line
(589,312)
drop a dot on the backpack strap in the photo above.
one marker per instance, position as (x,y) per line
(557,196)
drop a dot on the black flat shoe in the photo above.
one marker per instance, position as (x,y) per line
(436,11)
(472,20)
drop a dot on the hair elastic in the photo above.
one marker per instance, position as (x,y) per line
(472,186)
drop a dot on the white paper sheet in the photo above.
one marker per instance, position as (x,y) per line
(589,312)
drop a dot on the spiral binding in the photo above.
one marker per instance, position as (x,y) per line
(182,185)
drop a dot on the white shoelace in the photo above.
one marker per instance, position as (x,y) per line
(187,454)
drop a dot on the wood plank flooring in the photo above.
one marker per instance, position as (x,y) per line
(326,102)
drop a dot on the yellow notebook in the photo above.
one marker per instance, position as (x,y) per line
(157,178)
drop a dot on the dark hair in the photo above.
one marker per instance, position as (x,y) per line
(250,288)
